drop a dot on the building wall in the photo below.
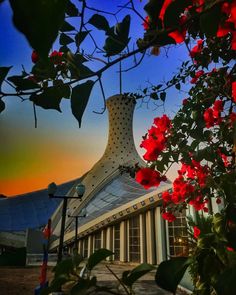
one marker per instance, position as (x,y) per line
(142,237)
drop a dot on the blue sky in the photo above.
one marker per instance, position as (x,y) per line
(58,150)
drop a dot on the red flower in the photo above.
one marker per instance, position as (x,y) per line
(148,177)
(196,49)
(218,201)
(146,23)
(163,123)
(205,209)
(154,148)
(34,56)
(168,216)
(198,74)
(163,9)
(198,203)
(196,232)
(212,116)
(230,249)
(234,91)
(56,57)
(166,196)
(185,101)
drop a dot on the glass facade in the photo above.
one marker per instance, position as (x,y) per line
(178,236)
(134,239)
(117,241)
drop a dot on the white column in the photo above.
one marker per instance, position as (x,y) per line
(109,240)
(90,245)
(123,241)
(103,238)
(143,248)
(161,245)
(150,234)
(80,247)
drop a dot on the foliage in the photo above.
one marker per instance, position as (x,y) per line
(74,275)
(201,136)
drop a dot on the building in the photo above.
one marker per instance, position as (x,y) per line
(121,215)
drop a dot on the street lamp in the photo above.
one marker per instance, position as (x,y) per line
(76,217)
(52,188)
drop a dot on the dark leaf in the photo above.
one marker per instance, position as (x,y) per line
(118,37)
(66,27)
(99,22)
(64,267)
(97,257)
(173,11)
(163,96)
(79,99)
(178,86)
(153,8)
(210,20)
(132,276)
(80,36)
(71,9)
(65,39)
(83,285)
(51,97)
(2,105)
(39,21)
(3,73)
(225,284)
(169,273)
(44,69)
(22,83)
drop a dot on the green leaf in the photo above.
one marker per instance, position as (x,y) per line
(225,284)
(51,97)
(97,257)
(3,73)
(169,273)
(65,39)
(2,105)
(71,9)
(210,20)
(79,99)
(130,277)
(39,21)
(66,27)
(99,22)
(22,83)
(64,267)
(80,36)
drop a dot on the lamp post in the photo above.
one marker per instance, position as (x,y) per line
(52,188)
(76,217)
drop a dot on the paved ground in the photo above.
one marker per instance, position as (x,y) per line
(22,281)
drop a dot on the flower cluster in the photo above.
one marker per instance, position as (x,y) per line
(185,186)
(229,25)
(155,140)
(148,177)
(212,116)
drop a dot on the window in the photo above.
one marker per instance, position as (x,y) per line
(178,236)
(134,239)
(97,244)
(117,241)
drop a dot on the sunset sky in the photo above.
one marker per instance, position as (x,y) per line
(58,150)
